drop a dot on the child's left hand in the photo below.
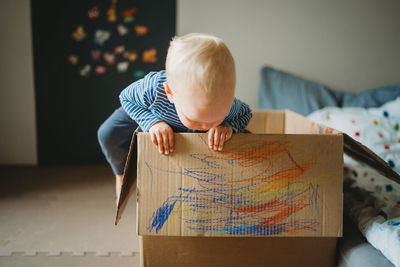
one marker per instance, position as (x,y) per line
(217,137)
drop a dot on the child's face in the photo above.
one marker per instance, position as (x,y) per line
(196,123)
(198,113)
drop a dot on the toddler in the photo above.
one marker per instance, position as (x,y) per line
(194,93)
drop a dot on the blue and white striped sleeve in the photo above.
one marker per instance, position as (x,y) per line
(238,117)
(137,98)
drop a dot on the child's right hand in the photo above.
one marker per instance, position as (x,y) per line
(162,137)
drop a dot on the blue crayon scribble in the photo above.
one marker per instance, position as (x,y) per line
(262,201)
(161,215)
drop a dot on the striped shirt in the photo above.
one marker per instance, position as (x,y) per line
(146,102)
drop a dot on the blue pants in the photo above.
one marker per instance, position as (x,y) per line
(114,136)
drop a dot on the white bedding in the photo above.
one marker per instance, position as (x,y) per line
(377,211)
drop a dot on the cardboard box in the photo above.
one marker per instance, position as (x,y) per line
(160,251)
(272,196)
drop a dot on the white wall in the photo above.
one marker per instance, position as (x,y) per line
(17,110)
(347,45)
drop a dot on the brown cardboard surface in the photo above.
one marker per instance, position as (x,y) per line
(261,122)
(241,251)
(297,124)
(274,122)
(363,154)
(259,185)
(267,122)
(129,178)
(257,122)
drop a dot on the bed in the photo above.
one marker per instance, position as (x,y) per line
(372,202)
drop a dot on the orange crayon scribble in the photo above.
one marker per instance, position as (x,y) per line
(252,153)
(257,208)
(270,154)
(308,226)
(284,210)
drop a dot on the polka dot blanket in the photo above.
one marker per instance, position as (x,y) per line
(372,200)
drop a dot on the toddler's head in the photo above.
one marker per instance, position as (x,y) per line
(201,80)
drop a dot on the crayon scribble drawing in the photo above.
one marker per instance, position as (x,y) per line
(260,198)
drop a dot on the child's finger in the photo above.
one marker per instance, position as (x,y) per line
(221,141)
(165,142)
(154,139)
(171,142)
(160,143)
(229,134)
(216,140)
(211,138)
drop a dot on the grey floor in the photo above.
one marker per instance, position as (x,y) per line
(63,216)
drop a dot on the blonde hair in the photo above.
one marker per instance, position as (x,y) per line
(202,61)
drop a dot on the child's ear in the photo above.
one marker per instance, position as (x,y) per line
(169,93)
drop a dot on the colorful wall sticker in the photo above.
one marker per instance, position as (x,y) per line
(122,66)
(85,71)
(79,34)
(131,55)
(119,49)
(122,29)
(100,70)
(128,15)
(73,59)
(112,11)
(96,54)
(137,74)
(100,36)
(149,56)
(141,30)
(109,58)
(94,12)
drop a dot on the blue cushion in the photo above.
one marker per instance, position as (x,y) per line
(372,98)
(282,90)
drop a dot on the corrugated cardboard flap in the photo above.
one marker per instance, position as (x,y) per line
(295,123)
(130,174)
(363,154)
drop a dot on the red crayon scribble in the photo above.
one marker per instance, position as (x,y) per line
(250,154)
(249,205)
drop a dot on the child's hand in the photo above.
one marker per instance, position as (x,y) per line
(217,137)
(162,136)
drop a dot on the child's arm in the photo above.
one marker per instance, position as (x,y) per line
(137,99)
(236,121)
